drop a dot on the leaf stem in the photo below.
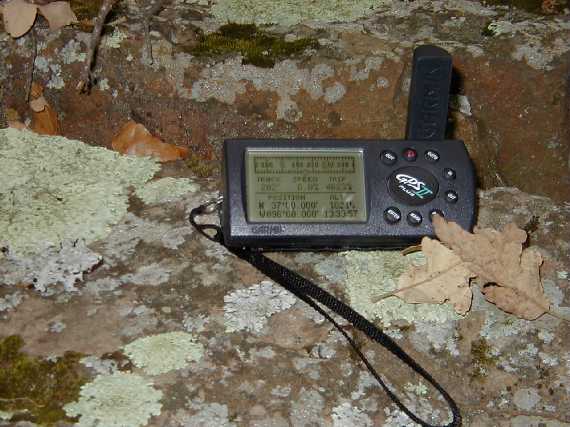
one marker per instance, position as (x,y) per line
(415,285)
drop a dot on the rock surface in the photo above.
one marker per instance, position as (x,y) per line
(215,343)
(511,88)
(171,329)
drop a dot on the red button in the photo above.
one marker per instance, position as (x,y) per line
(410,154)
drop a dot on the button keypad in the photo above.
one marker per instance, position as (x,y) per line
(451,197)
(414,218)
(431,156)
(388,157)
(392,215)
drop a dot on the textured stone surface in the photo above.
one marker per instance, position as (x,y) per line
(257,356)
(511,74)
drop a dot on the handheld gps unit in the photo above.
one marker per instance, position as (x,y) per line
(353,194)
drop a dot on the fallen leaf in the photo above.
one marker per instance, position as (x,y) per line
(39,104)
(19,16)
(510,275)
(135,139)
(58,14)
(444,277)
(44,117)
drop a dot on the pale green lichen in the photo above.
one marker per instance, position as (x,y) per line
(54,189)
(249,309)
(226,80)
(118,400)
(65,263)
(292,12)
(114,40)
(71,52)
(157,354)
(5,416)
(372,274)
(166,190)
(346,415)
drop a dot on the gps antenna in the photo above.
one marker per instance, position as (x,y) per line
(429,94)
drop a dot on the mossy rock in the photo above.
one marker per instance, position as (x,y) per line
(36,389)
(256,46)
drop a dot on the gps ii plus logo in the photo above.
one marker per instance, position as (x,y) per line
(413,186)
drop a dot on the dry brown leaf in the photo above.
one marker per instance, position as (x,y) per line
(19,16)
(511,274)
(38,104)
(443,278)
(135,139)
(58,14)
(44,117)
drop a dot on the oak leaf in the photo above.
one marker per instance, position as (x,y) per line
(509,274)
(19,16)
(58,14)
(444,277)
(135,139)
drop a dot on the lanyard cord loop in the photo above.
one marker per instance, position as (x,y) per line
(313,296)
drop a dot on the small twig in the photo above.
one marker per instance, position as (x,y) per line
(556,312)
(415,285)
(33,64)
(412,249)
(85,81)
(152,10)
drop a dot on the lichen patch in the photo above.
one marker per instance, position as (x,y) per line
(249,309)
(166,190)
(118,400)
(225,81)
(372,274)
(53,189)
(158,354)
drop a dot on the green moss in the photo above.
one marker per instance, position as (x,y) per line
(200,167)
(36,389)
(85,10)
(481,358)
(256,46)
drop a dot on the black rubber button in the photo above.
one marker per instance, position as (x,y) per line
(392,215)
(435,212)
(432,156)
(451,196)
(388,157)
(410,154)
(414,218)
(449,174)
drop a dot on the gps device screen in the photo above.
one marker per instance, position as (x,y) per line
(305,185)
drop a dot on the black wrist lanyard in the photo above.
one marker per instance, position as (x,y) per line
(313,296)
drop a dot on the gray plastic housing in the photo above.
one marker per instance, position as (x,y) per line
(376,232)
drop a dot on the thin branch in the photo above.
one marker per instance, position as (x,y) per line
(33,37)
(557,312)
(155,6)
(86,79)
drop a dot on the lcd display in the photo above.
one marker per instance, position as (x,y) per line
(310,185)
